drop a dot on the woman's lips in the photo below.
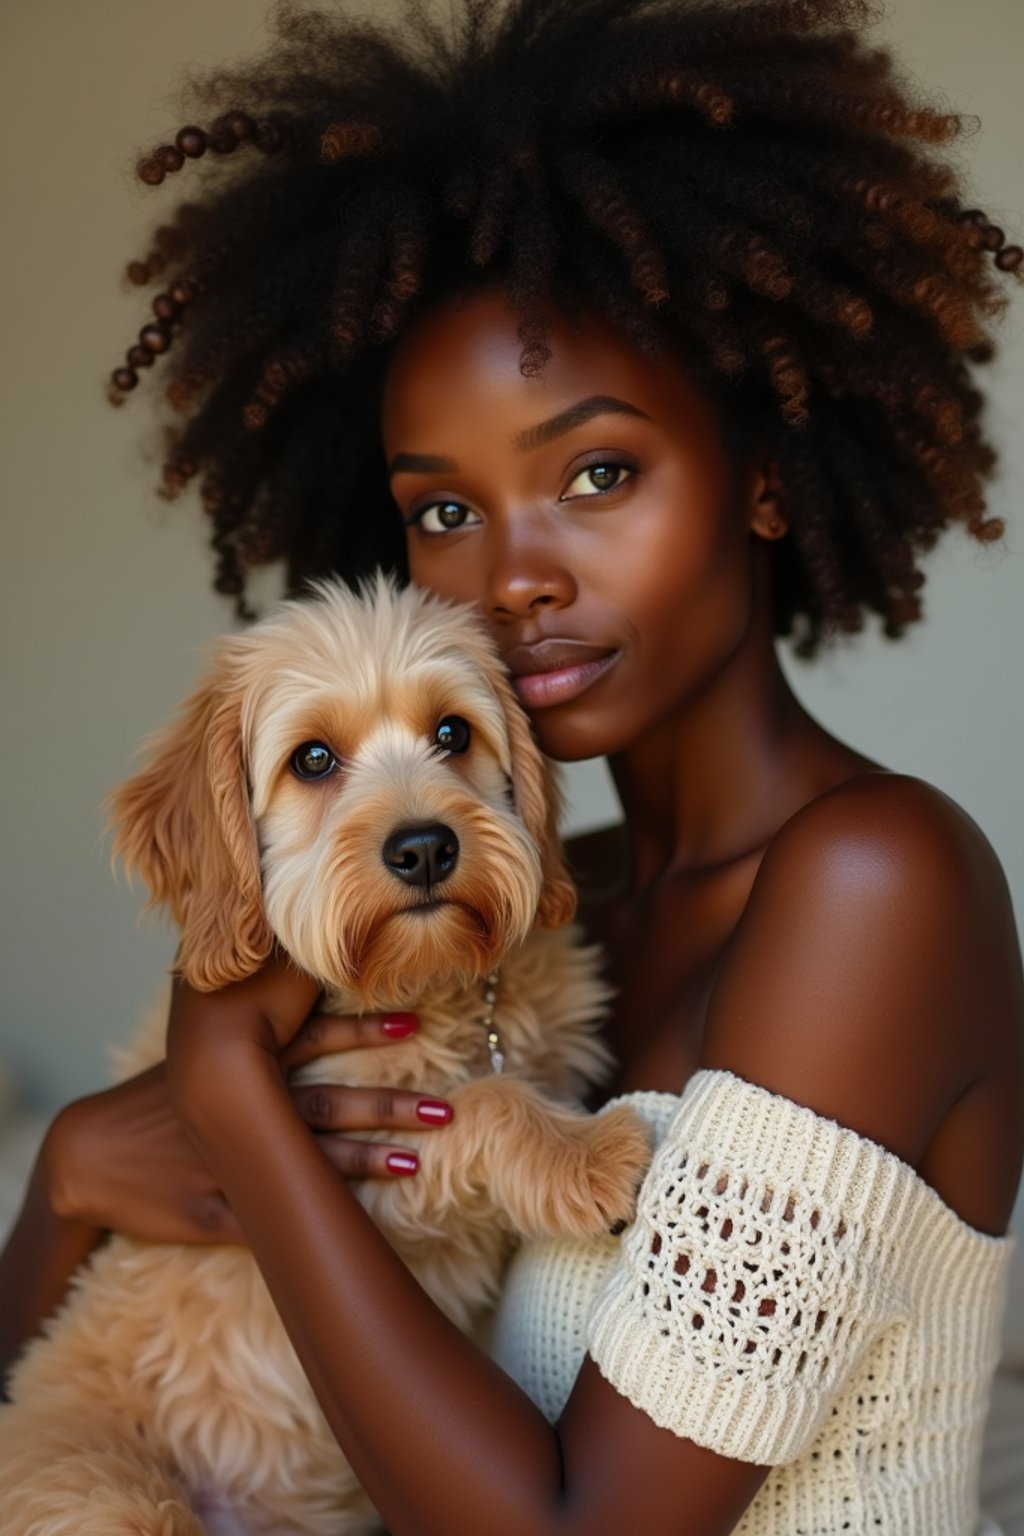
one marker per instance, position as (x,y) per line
(556,669)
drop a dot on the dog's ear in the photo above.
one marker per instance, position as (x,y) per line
(184,824)
(538,801)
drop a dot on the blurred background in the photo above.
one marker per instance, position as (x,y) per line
(106,604)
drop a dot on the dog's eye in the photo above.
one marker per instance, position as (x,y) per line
(452,735)
(313,760)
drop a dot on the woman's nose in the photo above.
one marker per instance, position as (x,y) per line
(525,577)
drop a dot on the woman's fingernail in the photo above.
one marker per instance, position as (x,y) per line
(396,1025)
(403,1162)
(433,1111)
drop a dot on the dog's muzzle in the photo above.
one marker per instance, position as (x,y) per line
(423,855)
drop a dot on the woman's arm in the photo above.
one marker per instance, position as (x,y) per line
(442,1439)
(118,1160)
(875,977)
(42,1253)
(115,1159)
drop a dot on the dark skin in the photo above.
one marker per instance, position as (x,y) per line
(774,904)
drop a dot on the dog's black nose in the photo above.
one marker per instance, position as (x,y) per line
(422,855)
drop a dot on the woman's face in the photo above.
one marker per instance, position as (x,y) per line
(592,515)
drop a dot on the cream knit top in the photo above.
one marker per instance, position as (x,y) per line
(790,1294)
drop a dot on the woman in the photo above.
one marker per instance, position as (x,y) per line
(646,329)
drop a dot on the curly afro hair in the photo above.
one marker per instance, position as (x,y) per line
(748,179)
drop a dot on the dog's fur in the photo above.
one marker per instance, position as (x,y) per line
(165,1397)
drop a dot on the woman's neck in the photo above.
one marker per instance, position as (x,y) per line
(713,782)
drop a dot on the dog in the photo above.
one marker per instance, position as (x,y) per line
(355,781)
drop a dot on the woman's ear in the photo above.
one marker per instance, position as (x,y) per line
(765,498)
(184,824)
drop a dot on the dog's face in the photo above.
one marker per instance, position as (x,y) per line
(355,779)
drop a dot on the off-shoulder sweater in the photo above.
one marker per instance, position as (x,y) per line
(790,1294)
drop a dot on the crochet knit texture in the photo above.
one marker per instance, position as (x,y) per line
(790,1294)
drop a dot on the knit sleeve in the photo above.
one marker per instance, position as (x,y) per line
(763,1262)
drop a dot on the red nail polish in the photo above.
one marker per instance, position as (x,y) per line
(403,1162)
(433,1111)
(396,1025)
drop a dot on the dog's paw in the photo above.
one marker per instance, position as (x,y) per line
(614,1154)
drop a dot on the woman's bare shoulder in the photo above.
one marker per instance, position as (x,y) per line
(881,804)
(886,835)
(875,973)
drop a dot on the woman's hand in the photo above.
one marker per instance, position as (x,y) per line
(332,1108)
(216,1039)
(122,1160)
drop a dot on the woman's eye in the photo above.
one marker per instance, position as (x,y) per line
(452,735)
(603,477)
(313,760)
(444,517)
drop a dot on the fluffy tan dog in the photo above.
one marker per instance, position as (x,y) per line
(354,779)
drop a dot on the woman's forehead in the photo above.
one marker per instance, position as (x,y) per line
(465,354)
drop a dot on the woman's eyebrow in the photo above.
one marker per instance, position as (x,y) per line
(529,438)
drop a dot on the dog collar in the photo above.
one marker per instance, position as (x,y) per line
(494,1049)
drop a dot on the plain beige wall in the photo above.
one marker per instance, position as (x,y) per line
(106,603)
